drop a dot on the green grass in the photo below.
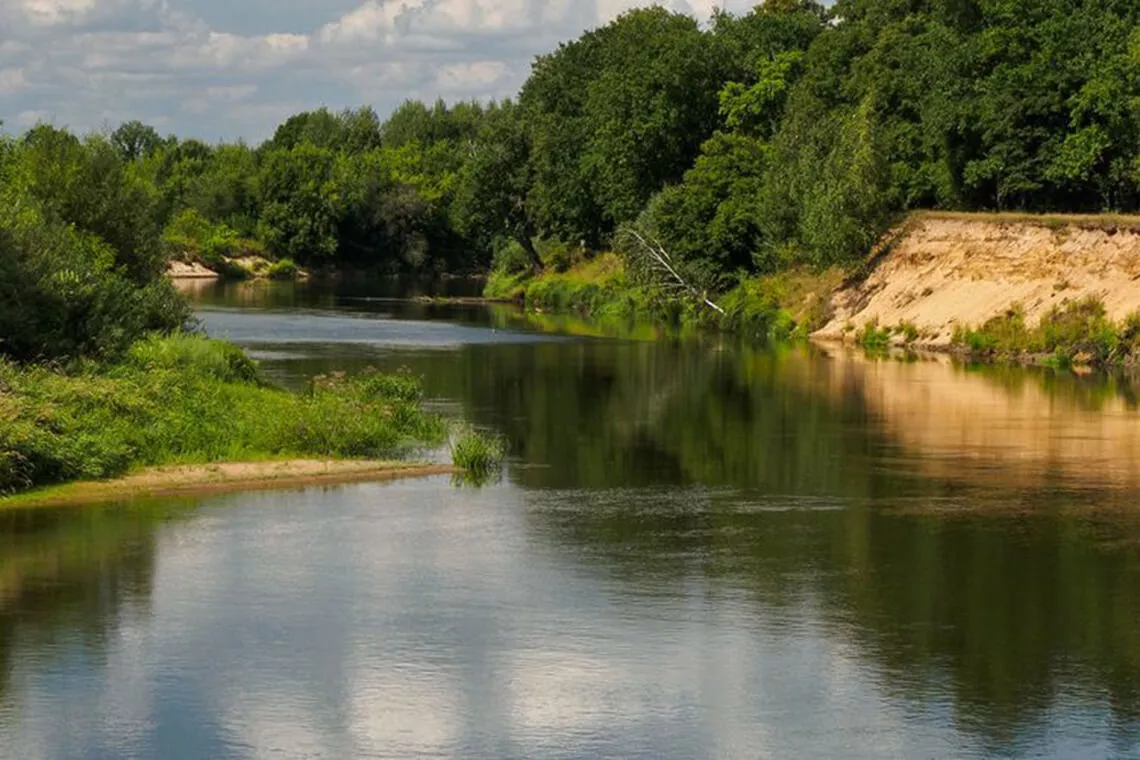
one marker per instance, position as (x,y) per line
(186,399)
(505,286)
(1077,332)
(284,269)
(477,455)
(873,337)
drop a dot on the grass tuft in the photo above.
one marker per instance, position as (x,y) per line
(478,456)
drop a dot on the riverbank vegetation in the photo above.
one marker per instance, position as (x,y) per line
(787,137)
(478,456)
(1077,333)
(186,399)
(656,167)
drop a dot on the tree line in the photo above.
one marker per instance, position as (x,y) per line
(788,136)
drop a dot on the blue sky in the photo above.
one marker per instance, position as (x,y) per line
(223,69)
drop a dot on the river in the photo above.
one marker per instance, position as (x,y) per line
(698,549)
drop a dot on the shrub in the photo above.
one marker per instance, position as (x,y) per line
(194,355)
(510,258)
(63,297)
(505,287)
(874,338)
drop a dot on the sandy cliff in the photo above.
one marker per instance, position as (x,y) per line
(945,269)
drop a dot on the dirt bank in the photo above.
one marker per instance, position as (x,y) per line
(190,270)
(237,476)
(947,269)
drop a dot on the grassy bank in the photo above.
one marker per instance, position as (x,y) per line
(781,306)
(186,399)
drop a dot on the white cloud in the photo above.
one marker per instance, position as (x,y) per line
(50,12)
(231,94)
(465,77)
(86,62)
(12,80)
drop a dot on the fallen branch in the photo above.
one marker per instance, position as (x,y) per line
(660,260)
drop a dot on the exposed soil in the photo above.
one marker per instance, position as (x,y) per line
(949,269)
(234,476)
(190,270)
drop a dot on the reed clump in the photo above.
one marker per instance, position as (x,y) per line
(477,455)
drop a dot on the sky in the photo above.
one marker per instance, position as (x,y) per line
(228,69)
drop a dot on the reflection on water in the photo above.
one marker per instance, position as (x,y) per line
(701,550)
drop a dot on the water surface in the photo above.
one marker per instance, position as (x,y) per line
(699,549)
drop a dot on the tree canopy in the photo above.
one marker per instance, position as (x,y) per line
(790,135)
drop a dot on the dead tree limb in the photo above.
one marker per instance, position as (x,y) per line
(660,260)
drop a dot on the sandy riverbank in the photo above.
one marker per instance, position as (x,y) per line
(946,269)
(190,270)
(219,477)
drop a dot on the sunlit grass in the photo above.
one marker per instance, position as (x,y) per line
(189,400)
(477,455)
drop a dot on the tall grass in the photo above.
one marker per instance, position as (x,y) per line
(1077,332)
(186,399)
(478,456)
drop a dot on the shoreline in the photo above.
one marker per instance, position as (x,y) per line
(222,477)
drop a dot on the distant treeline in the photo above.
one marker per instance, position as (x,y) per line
(788,136)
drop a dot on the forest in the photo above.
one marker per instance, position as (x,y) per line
(787,137)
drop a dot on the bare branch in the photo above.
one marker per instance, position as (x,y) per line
(660,259)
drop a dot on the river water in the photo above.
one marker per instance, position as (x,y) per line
(699,549)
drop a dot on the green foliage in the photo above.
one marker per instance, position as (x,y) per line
(510,258)
(613,117)
(1076,332)
(478,455)
(300,206)
(190,353)
(598,288)
(134,140)
(187,399)
(87,184)
(711,222)
(754,310)
(284,269)
(873,337)
(61,295)
(504,286)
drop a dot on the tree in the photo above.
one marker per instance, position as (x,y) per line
(492,196)
(88,185)
(616,115)
(134,140)
(300,207)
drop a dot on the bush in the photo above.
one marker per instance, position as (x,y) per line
(190,236)
(62,295)
(874,338)
(505,287)
(194,355)
(510,258)
(556,255)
